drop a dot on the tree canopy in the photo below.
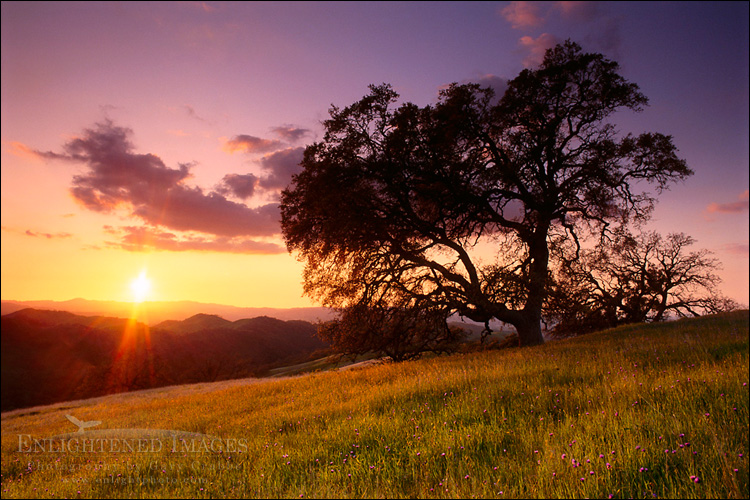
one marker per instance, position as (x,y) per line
(393,202)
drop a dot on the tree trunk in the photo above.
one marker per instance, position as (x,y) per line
(530,325)
(530,330)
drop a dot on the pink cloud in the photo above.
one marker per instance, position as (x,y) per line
(118,179)
(522,14)
(23,151)
(251,144)
(733,207)
(535,48)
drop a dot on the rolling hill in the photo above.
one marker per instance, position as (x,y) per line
(159,311)
(50,356)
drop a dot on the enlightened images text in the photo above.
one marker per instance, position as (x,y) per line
(28,444)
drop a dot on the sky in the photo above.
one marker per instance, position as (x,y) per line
(153,138)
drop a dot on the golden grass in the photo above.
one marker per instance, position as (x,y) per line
(635,412)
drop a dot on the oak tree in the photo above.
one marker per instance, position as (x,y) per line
(631,278)
(397,199)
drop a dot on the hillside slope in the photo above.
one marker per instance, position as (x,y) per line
(643,411)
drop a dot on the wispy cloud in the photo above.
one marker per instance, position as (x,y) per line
(741,249)
(192,114)
(23,151)
(204,6)
(49,236)
(145,238)
(741,205)
(37,234)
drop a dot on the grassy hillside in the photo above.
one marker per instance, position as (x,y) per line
(637,412)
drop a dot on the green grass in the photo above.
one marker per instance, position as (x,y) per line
(632,412)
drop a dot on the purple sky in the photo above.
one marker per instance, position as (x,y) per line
(208,107)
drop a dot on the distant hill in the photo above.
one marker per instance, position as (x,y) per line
(157,312)
(52,356)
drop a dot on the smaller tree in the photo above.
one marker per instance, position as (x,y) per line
(401,333)
(634,279)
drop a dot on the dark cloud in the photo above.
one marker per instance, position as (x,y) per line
(251,144)
(144,238)
(496,83)
(280,166)
(190,209)
(117,178)
(241,186)
(277,171)
(290,133)
(736,207)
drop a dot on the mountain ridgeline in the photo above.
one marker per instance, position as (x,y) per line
(53,356)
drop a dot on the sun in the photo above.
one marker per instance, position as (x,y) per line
(141,286)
